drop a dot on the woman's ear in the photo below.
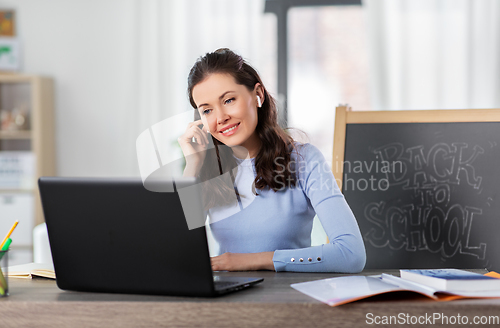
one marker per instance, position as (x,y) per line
(259,93)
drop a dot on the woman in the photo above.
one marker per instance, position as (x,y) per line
(262,218)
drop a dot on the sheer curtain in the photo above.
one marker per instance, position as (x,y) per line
(434,54)
(171,35)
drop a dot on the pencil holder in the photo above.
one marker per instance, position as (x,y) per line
(4,264)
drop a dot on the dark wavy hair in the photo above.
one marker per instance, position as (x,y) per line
(273,166)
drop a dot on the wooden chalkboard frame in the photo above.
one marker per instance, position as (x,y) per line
(344,115)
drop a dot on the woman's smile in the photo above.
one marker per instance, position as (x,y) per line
(229,130)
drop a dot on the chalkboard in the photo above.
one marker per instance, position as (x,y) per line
(425,194)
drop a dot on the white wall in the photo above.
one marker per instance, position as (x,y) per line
(87,48)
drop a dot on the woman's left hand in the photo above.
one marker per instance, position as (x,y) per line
(243,261)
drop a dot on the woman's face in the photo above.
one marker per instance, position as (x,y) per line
(229,110)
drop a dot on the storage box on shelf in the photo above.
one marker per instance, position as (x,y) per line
(26,153)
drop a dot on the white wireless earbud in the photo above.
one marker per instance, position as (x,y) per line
(259,103)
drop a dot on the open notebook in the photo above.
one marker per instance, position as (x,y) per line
(346,289)
(31,270)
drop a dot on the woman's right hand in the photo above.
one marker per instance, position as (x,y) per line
(194,152)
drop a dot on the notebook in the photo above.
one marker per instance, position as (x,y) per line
(113,235)
(341,290)
(30,270)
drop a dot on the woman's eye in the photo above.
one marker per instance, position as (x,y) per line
(206,111)
(228,101)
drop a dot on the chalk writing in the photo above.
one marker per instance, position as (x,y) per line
(443,164)
(430,221)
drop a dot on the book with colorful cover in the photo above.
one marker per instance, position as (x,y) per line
(342,290)
(451,279)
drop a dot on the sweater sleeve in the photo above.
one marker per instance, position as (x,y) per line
(345,251)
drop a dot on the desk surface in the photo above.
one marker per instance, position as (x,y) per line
(40,303)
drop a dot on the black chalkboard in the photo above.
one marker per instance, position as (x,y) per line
(426,195)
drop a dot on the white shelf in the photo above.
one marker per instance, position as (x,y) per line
(15,135)
(35,94)
(16,191)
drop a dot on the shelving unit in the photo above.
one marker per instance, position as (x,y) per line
(35,94)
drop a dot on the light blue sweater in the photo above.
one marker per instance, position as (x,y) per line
(282,221)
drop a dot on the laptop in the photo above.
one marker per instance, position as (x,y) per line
(115,236)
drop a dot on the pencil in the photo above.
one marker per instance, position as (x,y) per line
(9,233)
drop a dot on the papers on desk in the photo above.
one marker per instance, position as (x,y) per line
(341,290)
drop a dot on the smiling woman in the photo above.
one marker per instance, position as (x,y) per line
(261,188)
(231,117)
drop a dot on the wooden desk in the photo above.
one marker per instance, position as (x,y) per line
(273,303)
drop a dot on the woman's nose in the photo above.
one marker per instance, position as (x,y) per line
(222,117)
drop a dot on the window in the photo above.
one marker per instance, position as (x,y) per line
(327,66)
